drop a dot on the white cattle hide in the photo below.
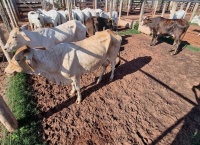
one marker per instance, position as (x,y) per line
(47,37)
(180,14)
(67,62)
(36,20)
(51,17)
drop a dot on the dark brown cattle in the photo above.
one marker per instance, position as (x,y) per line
(95,24)
(162,26)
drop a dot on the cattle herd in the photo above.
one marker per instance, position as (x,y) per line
(63,53)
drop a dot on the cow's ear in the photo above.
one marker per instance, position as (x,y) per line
(25,36)
(19,55)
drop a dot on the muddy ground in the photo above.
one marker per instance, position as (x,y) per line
(150,100)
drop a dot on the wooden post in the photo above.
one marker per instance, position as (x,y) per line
(6,117)
(164,9)
(111,8)
(106,5)
(5,18)
(182,5)
(120,8)
(69,7)
(114,5)
(14,10)
(173,10)
(12,13)
(194,11)
(188,5)
(155,8)
(9,14)
(129,7)
(95,4)
(141,11)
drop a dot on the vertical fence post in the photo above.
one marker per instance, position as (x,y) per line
(164,8)
(194,11)
(9,14)
(155,8)
(173,10)
(69,7)
(106,5)
(6,117)
(188,5)
(120,8)
(5,18)
(129,7)
(141,11)
(12,13)
(111,8)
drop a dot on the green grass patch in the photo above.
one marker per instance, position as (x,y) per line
(195,24)
(128,32)
(24,108)
(193,48)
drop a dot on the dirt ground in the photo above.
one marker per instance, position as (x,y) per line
(150,100)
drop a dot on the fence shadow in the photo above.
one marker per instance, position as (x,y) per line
(189,134)
(123,70)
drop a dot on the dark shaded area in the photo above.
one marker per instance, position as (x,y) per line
(120,72)
(196,30)
(170,40)
(189,134)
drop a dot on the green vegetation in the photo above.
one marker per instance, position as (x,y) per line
(193,48)
(135,26)
(128,32)
(195,24)
(20,100)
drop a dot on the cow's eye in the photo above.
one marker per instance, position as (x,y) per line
(14,37)
(17,60)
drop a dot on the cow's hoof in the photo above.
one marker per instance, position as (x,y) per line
(98,81)
(71,94)
(78,101)
(174,53)
(110,80)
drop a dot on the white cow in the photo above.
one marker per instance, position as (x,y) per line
(180,14)
(47,37)
(63,16)
(196,19)
(67,62)
(74,16)
(107,14)
(79,15)
(87,14)
(36,20)
(51,17)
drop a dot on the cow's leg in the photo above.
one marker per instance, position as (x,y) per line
(177,46)
(76,81)
(104,66)
(31,26)
(154,37)
(73,91)
(113,63)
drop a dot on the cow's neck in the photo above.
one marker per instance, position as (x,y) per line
(33,37)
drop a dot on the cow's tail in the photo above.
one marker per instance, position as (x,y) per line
(119,61)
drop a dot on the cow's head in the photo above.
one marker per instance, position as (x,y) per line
(146,20)
(21,62)
(17,38)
